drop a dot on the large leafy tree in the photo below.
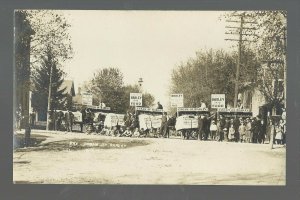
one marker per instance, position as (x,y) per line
(211,72)
(41,80)
(107,86)
(271,50)
(51,30)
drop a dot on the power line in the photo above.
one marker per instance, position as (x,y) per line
(238,30)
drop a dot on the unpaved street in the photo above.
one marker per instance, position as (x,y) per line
(91,159)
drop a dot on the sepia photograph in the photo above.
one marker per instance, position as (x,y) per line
(150,97)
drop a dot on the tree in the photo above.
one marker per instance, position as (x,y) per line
(51,30)
(269,47)
(23,36)
(211,72)
(107,86)
(41,81)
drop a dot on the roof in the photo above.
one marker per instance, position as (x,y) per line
(69,85)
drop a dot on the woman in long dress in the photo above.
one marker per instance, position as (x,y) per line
(279,134)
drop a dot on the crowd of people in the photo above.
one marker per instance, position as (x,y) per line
(61,121)
(131,128)
(232,129)
(243,129)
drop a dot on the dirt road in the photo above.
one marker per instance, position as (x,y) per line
(91,159)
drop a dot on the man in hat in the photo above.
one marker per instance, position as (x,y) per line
(164,125)
(236,125)
(255,130)
(200,127)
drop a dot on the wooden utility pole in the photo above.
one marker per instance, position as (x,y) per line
(49,97)
(236,88)
(240,30)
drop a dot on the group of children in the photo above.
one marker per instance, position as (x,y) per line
(237,130)
(249,130)
(123,132)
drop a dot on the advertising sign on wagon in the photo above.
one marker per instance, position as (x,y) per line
(145,121)
(176,100)
(136,99)
(156,121)
(112,119)
(186,122)
(217,101)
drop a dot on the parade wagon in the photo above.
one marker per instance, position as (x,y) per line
(92,123)
(149,119)
(187,121)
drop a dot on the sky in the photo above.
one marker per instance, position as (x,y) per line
(142,44)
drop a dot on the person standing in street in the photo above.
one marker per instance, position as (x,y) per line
(248,130)
(19,117)
(200,127)
(213,130)
(283,130)
(227,126)
(164,125)
(255,130)
(242,132)
(222,126)
(236,125)
(261,131)
(278,134)
(71,122)
(127,119)
(67,121)
(231,133)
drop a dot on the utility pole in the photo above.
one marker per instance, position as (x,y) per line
(49,97)
(239,30)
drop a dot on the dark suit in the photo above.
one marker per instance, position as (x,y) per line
(200,128)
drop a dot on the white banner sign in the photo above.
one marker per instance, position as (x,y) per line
(112,119)
(186,122)
(233,110)
(176,100)
(148,109)
(218,101)
(147,121)
(87,99)
(192,109)
(136,99)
